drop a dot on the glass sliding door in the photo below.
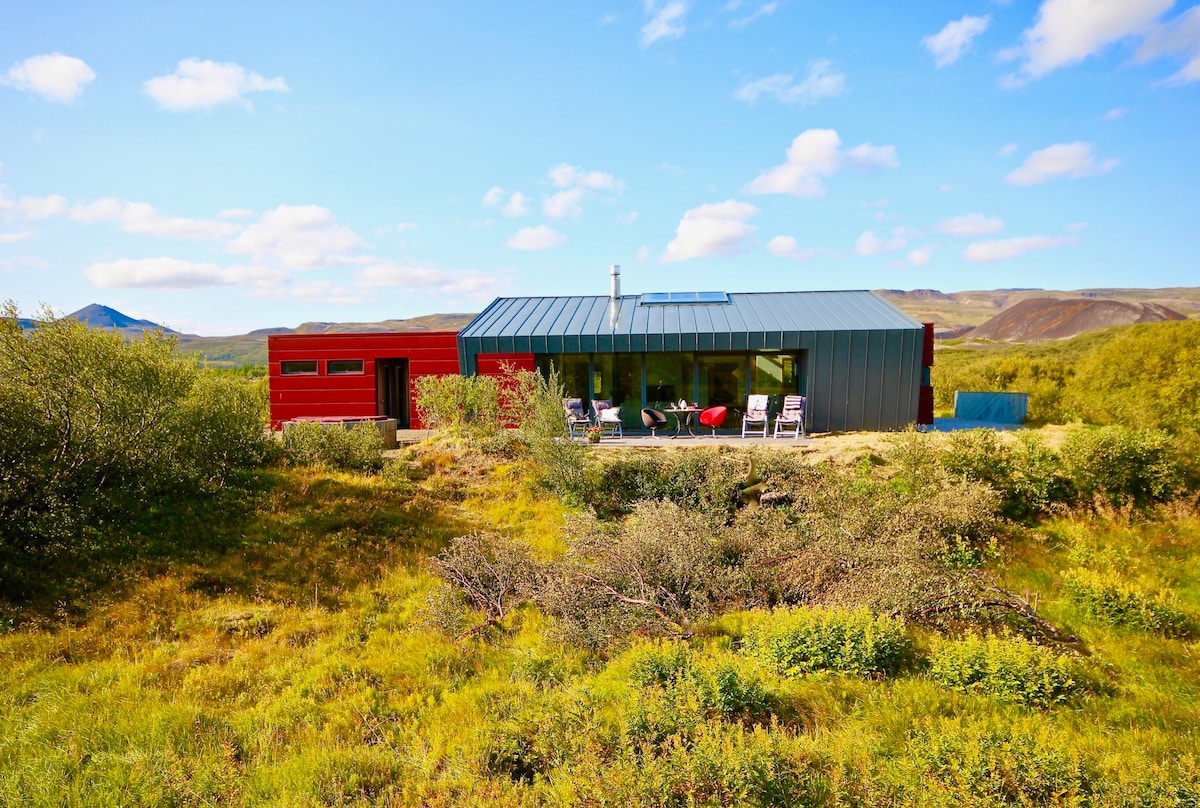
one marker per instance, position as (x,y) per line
(775,375)
(722,380)
(669,378)
(618,378)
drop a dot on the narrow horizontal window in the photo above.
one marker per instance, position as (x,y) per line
(292,368)
(344,366)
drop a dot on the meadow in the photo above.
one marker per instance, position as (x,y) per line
(495,617)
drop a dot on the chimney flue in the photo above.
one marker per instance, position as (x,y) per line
(616,281)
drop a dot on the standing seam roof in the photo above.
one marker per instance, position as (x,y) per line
(751,313)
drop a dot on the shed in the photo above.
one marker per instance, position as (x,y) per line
(862,362)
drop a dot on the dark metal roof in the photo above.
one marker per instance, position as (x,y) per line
(593,317)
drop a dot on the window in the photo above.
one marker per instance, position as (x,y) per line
(296,368)
(335,366)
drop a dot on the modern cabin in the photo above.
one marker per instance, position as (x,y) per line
(862,362)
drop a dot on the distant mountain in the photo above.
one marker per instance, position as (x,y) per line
(1043,318)
(955,314)
(98,316)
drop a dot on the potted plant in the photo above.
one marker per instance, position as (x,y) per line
(593,433)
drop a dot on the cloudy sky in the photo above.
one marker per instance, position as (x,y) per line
(220,167)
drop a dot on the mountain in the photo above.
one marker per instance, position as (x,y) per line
(1043,318)
(955,314)
(99,316)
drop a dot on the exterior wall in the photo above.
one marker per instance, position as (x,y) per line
(322,395)
(428,353)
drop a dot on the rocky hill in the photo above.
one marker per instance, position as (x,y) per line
(1044,318)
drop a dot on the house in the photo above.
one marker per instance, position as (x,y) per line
(863,363)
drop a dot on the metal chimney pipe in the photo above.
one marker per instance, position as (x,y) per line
(615,272)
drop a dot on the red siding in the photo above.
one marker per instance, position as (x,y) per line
(429,353)
(927,347)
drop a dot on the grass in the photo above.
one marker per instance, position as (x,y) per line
(294,665)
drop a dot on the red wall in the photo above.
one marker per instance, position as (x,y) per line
(429,353)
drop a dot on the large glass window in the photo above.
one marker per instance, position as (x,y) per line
(335,366)
(618,378)
(776,375)
(722,379)
(669,378)
(572,372)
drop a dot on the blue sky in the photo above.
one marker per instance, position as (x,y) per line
(220,167)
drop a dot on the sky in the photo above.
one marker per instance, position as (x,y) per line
(220,167)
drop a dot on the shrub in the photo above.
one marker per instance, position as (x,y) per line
(493,573)
(799,641)
(1010,669)
(456,402)
(358,448)
(97,430)
(1122,466)
(1023,470)
(1107,597)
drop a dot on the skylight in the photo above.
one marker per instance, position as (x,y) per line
(677,298)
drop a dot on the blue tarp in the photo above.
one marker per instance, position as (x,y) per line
(994,408)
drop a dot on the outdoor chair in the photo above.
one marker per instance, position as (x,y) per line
(608,417)
(653,420)
(577,418)
(791,416)
(754,422)
(713,417)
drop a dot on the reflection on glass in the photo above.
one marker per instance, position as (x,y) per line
(775,375)
(722,379)
(669,378)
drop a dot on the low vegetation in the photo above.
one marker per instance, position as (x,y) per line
(505,617)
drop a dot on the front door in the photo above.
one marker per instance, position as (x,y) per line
(391,390)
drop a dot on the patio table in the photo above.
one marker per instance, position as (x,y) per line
(684,416)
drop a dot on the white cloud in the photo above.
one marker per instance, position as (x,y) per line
(1007,150)
(576,184)
(821,82)
(236,213)
(299,237)
(950,43)
(34,207)
(542,237)
(516,204)
(666,21)
(1182,36)
(788,247)
(627,218)
(564,204)
(1115,113)
(1073,160)
(710,229)
(568,176)
(53,76)
(15,236)
(971,224)
(1068,31)
(814,154)
(404,227)
(870,244)
(643,253)
(920,256)
(765,10)
(204,84)
(172,274)
(420,279)
(1002,249)
(138,217)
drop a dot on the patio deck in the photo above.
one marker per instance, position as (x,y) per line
(642,439)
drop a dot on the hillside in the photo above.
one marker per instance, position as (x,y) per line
(955,313)
(1043,318)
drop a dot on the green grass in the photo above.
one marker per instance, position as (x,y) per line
(293,664)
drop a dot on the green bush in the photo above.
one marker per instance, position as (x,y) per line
(1122,466)
(357,448)
(97,431)
(456,402)
(1010,669)
(1107,597)
(1023,470)
(700,480)
(804,640)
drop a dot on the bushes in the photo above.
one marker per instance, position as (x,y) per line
(1122,466)
(96,431)
(1009,669)
(1107,597)
(797,641)
(359,448)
